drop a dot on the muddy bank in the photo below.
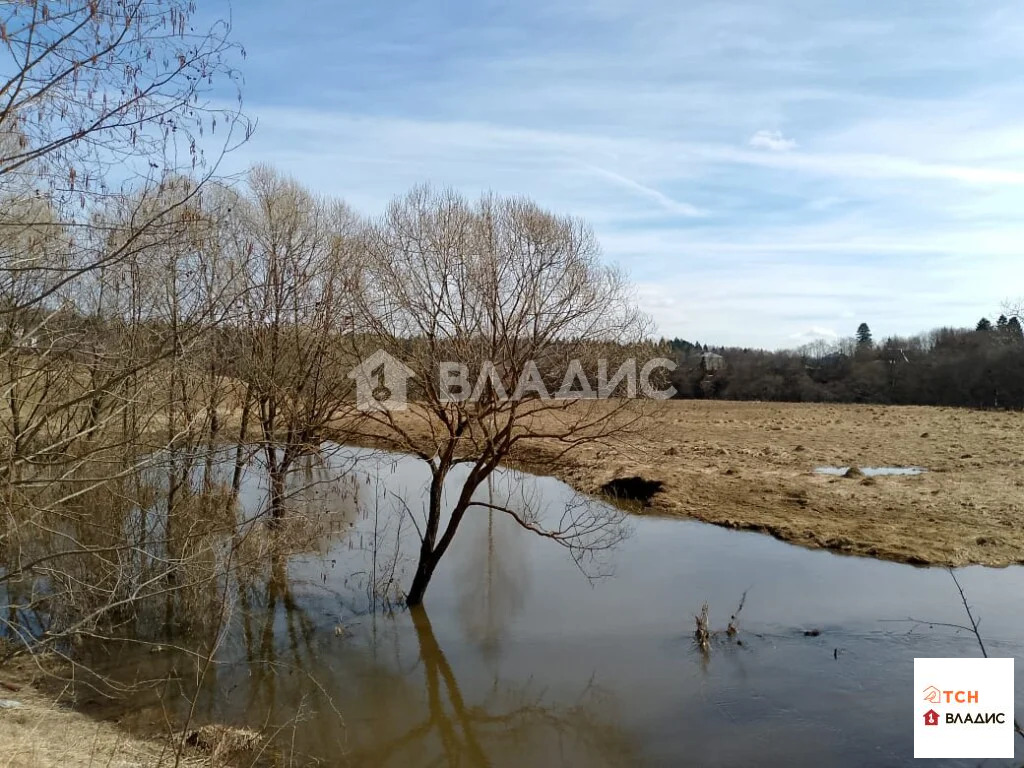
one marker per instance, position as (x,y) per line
(751,466)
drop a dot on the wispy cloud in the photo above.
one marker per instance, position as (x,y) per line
(772,140)
(741,160)
(815,333)
(666,202)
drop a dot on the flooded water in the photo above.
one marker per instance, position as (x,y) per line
(519,660)
(872,471)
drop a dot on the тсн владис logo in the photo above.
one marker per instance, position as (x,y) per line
(963,708)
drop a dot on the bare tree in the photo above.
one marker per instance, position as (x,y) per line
(104,107)
(518,300)
(299,254)
(95,88)
(121,394)
(104,290)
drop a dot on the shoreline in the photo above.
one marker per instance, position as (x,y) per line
(40,727)
(750,466)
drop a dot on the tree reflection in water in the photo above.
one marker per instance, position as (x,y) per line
(390,701)
(379,691)
(509,727)
(386,697)
(493,581)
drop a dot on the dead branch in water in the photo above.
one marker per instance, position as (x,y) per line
(703,634)
(734,619)
(972,628)
(970,616)
(981,643)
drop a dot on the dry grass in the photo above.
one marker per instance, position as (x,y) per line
(751,466)
(43,734)
(43,731)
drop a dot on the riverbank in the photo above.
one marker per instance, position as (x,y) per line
(751,466)
(39,730)
(41,733)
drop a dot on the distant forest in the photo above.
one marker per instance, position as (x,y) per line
(981,367)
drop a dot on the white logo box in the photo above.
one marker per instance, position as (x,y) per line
(976,695)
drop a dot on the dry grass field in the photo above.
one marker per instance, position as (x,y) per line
(751,465)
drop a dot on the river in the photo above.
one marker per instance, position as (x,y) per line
(518,658)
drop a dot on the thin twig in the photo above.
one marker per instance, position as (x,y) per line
(970,616)
(981,643)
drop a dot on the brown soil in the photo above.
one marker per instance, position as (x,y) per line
(751,466)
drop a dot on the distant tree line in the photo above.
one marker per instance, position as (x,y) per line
(981,367)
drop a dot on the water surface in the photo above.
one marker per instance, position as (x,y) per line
(872,471)
(519,659)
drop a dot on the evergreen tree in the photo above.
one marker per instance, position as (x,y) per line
(1014,330)
(1002,323)
(984,325)
(863,335)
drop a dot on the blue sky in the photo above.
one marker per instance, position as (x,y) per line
(767,172)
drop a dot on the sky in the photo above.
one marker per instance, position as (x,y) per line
(768,173)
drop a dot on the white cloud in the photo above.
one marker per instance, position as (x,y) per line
(853,228)
(901,199)
(815,333)
(489,150)
(772,140)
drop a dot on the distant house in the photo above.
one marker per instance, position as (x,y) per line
(711,362)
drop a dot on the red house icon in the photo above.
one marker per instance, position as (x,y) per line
(931,717)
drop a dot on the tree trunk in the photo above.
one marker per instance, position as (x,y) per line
(424,572)
(243,427)
(277,494)
(431,554)
(428,557)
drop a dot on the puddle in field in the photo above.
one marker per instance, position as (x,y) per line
(519,660)
(871,471)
